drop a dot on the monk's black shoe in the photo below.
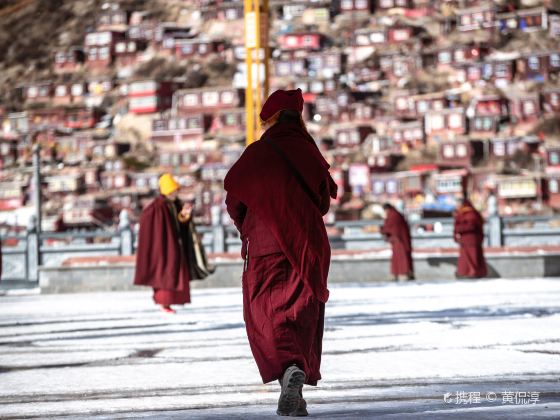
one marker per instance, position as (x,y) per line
(290,394)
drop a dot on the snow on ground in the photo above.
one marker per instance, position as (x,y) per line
(390,351)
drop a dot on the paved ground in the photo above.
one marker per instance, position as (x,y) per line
(442,350)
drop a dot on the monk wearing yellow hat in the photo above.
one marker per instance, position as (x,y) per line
(162,260)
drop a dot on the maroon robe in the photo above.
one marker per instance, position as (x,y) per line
(161,258)
(397,232)
(286,249)
(469,233)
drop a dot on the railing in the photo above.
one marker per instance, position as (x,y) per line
(21,262)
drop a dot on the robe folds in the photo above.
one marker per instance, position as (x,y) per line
(161,257)
(468,232)
(285,247)
(397,232)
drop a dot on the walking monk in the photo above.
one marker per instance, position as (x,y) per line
(396,231)
(468,232)
(277,193)
(161,258)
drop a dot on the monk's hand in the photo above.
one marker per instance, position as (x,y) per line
(186,211)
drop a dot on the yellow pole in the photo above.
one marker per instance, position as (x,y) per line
(257,51)
(253,42)
(249,106)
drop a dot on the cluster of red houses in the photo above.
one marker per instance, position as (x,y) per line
(410,100)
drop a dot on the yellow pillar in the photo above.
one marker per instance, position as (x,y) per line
(256,37)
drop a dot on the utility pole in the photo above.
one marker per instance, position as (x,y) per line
(37,199)
(256,40)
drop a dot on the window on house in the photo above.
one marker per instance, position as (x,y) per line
(92,54)
(230,120)
(555,99)
(186,49)
(534,63)
(466,20)
(60,58)
(459,55)
(422,106)
(455,121)
(391,186)
(554,158)
(120,48)
(461,150)
(361,4)
(32,92)
(291,41)
(195,123)
(378,187)
(227,98)
(104,53)
(60,90)
(437,122)
(554,60)
(308,40)
(77,89)
(529,107)
(444,57)
(448,151)
(190,100)
(499,148)
(203,48)
(386,4)
(553,186)
(347,4)
(211,98)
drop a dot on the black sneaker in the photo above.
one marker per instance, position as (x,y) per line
(289,401)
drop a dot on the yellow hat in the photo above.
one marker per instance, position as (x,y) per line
(167,184)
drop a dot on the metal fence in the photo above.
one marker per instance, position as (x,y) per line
(24,253)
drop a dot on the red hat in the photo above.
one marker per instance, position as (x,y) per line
(282,100)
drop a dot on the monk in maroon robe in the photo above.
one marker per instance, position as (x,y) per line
(397,232)
(161,258)
(277,193)
(468,232)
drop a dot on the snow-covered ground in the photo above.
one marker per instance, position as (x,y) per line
(487,349)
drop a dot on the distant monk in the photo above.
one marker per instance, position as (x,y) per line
(468,232)
(277,193)
(161,259)
(396,231)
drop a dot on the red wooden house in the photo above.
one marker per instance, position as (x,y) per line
(391,4)
(357,6)
(475,18)
(538,66)
(524,107)
(290,66)
(149,96)
(489,112)
(302,40)
(180,129)
(38,92)
(198,47)
(366,37)
(459,54)
(100,49)
(553,188)
(69,61)
(313,87)
(396,65)
(460,153)
(325,64)
(82,117)
(112,17)
(352,135)
(451,183)
(229,123)
(550,101)
(445,124)
(506,147)
(407,135)
(552,157)
(526,20)
(70,93)
(128,53)
(208,99)
(8,151)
